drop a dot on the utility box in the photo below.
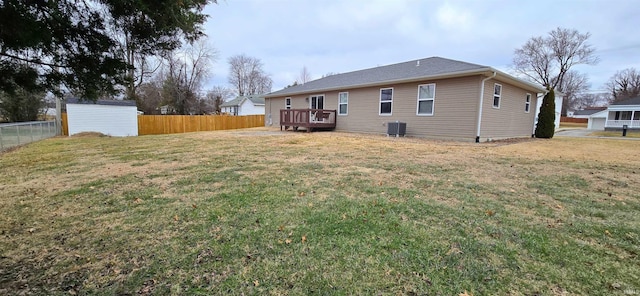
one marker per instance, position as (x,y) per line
(396,128)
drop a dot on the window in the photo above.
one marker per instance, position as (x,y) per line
(426,96)
(343,103)
(623,115)
(287,103)
(527,103)
(497,93)
(317,102)
(386,101)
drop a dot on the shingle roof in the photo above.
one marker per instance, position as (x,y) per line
(255,99)
(588,111)
(632,101)
(102,102)
(432,67)
(234,102)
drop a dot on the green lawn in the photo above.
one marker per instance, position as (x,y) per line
(258,212)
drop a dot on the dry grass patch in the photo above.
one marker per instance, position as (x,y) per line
(266,212)
(630,134)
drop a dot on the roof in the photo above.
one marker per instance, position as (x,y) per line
(416,70)
(588,111)
(632,101)
(102,102)
(599,114)
(255,99)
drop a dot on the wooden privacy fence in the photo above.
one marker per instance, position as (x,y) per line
(65,124)
(172,124)
(572,119)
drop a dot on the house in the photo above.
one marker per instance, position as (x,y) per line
(244,105)
(626,112)
(435,97)
(587,112)
(109,117)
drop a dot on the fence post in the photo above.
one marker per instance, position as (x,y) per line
(1,144)
(31,131)
(18,132)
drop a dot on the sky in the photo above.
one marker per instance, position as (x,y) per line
(333,36)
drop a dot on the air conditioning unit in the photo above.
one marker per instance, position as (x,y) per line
(396,128)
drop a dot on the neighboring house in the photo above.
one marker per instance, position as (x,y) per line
(244,105)
(109,117)
(435,97)
(623,113)
(587,112)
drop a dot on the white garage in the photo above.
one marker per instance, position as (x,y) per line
(117,118)
(597,120)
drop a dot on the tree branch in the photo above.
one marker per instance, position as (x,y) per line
(33,61)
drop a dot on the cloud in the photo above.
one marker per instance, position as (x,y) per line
(454,19)
(341,36)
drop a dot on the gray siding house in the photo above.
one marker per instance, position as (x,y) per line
(436,97)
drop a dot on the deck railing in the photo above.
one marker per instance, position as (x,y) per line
(621,123)
(308,118)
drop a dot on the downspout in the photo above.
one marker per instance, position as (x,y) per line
(269,122)
(481,102)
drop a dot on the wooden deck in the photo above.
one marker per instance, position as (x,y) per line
(310,119)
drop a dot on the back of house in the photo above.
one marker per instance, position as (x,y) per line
(436,98)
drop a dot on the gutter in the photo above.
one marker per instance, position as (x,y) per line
(481,102)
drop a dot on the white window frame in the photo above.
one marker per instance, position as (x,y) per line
(527,103)
(433,99)
(287,103)
(380,102)
(345,103)
(498,95)
(316,96)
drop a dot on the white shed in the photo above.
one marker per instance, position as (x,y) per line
(110,117)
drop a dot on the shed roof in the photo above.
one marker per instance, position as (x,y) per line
(102,102)
(428,68)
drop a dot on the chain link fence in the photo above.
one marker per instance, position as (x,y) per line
(15,134)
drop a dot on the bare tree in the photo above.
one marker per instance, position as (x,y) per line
(546,60)
(573,86)
(305,76)
(624,84)
(218,95)
(185,72)
(149,95)
(247,76)
(585,100)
